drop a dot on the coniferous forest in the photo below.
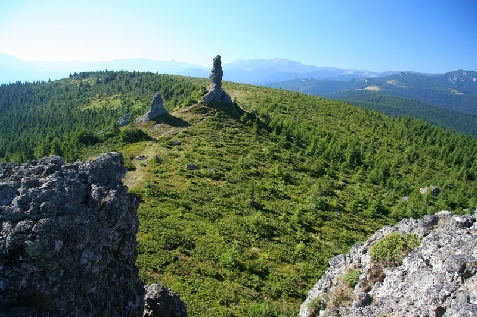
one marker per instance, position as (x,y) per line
(282,181)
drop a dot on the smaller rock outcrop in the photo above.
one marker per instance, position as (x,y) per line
(438,278)
(215,92)
(123,120)
(162,302)
(434,190)
(157,109)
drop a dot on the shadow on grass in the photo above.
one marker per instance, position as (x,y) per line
(171,120)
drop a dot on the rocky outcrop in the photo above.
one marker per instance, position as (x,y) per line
(68,240)
(438,278)
(215,92)
(123,120)
(157,109)
(162,302)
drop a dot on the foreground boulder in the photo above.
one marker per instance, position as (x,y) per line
(68,240)
(437,278)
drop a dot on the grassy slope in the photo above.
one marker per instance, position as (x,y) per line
(294,181)
(253,236)
(399,106)
(430,97)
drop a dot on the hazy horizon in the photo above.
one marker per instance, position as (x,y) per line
(423,36)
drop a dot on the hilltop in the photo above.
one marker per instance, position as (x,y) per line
(241,211)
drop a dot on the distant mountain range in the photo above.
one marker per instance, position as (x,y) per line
(13,69)
(256,71)
(268,71)
(448,100)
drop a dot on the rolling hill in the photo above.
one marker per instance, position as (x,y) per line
(277,188)
(448,100)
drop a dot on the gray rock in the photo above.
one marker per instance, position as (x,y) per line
(68,239)
(216,73)
(215,92)
(123,120)
(436,279)
(162,302)
(434,190)
(362,299)
(191,167)
(157,109)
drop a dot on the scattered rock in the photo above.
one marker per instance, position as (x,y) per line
(191,167)
(141,157)
(162,302)
(123,120)
(175,143)
(157,109)
(436,279)
(157,159)
(434,190)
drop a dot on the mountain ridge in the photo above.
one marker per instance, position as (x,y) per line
(255,71)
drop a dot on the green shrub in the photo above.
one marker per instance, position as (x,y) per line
(314,306)
(351,278)
(131,135)
(391,249)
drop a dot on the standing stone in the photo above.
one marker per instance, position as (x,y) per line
(216,93)
(216,73)
(157,109)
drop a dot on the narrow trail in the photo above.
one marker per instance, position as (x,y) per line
(160,131)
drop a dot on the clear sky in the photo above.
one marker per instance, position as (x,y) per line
(432,36)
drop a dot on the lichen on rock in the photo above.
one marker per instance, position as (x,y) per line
(68,239)
(438,278)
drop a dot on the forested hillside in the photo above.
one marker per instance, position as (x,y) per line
(448,100)
(399,106)
(64,116)
(240,212)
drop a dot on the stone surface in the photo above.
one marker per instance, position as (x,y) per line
(68,239)
(434,190)
(123,120)
(215,92)
(436,279)
(157,109)
(162,302)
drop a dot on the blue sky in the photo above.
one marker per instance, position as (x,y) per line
(419,35)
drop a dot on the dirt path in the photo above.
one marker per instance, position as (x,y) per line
(159,131)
